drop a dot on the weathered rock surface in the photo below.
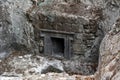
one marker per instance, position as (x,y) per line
(31,64)
(35,68)
(91,20)
(16,32)
(109,67)
(19,33)
(66,16)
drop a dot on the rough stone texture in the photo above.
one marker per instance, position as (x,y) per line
(23,29)
(111,11)
(109,67)
(54,16)
(90,20)
(48,76)
(30,67)
(16,32)
(61,17)
(30,64)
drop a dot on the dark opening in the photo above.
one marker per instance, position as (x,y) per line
(57,46)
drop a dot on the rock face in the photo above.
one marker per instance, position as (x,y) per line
(109,67)
(82,35)
(16,32)
(54,29)
(67,33)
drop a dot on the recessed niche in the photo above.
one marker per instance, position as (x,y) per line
(57,46)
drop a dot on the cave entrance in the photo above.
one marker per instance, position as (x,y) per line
(57,46)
